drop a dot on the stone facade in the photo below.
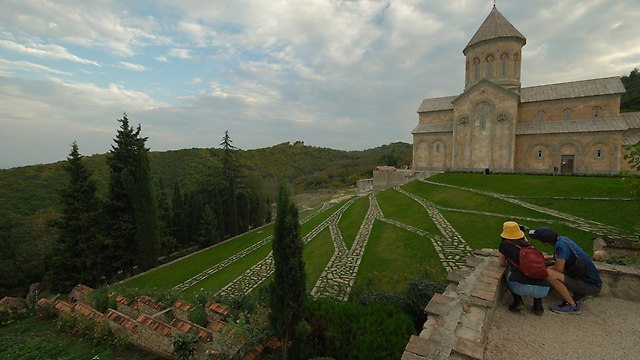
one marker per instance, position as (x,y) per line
(495,124)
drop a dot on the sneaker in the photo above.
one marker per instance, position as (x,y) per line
(578,298)
(566,308)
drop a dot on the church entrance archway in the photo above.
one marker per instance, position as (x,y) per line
(566,164)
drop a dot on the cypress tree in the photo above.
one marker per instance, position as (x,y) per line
(132,228)
(71,258)
(288,290)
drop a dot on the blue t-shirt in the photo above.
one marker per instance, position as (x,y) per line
(563,250)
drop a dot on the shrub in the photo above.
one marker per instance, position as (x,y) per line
(197,315)
(419,293)
(184,345)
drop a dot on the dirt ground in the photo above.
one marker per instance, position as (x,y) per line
(608,328)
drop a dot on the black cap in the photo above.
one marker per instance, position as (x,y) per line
(544,234)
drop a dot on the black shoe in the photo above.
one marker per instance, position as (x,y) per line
(537,308)
(517,303)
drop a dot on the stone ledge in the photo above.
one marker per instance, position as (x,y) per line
(458,320)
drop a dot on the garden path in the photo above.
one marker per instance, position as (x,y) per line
(338,277)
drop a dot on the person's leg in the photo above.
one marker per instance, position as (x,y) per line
(556,280)
(517,303)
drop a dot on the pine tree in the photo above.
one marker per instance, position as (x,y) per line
(132,234)
(288,291)
(229,174)
(208,231)
(71,258)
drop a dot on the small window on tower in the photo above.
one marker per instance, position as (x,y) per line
(541,115)
(596,111)
(437,148)
(568,113)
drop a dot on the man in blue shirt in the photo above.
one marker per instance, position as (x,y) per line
(573,271)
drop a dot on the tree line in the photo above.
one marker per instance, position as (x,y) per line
(96,239)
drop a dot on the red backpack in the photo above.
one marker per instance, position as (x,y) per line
(531,262)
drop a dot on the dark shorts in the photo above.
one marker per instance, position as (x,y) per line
(580,286)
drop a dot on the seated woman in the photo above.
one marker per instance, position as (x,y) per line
(519,284)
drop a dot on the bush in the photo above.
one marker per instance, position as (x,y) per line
(352,331)
(197,315)
(102,299)
(184,345)
(419,293)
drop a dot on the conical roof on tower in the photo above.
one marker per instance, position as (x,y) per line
(494,26)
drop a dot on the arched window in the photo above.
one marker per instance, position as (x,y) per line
(596,111)
(568,113)
(489,65)
(598,153)
(540,154)
(503,63)
(476,68)
(541,115)
(437,148)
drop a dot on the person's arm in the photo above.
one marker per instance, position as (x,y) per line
(502,260)
(559,265)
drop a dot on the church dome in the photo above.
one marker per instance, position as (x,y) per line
(495,26)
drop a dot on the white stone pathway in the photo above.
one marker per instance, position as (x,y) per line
(338,277)
(258,273)
(573,221)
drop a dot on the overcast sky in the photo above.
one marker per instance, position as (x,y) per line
(347,75)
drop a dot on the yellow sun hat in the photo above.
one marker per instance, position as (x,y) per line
(511,230)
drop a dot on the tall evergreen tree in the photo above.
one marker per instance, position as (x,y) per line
(132,216)
(138,184)
(208,231)
(71,258)
(178,223)
(229,174)
(288,290)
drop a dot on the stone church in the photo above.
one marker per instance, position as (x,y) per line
(497,125)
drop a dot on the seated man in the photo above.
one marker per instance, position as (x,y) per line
(573,271)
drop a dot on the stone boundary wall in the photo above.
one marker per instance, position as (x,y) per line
(140,325)
(459,319)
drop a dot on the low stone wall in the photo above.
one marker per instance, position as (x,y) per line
(459,319)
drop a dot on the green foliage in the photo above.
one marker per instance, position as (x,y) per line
(623,260)
(184,345)
(102,299)
(40,338)
(630,101)
(72,255)
(197,315)
(419,293)
(352,331)
(288,292)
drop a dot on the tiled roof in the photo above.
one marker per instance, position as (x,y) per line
(63,306)
(574,126)
(631,139)
(143,299)
(218,308)
(632,119)
(437,104)
(574,89)
(494,26)
(426,128)
(156,325)
(182,305)
(88,312)
(83,289)
(189,327)
(122,320)
(216,325)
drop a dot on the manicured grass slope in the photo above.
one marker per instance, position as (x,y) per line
(394,255)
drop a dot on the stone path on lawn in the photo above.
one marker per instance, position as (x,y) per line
(571,220)
(258,273)
(338,277)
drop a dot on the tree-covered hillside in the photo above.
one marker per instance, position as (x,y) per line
(631,99)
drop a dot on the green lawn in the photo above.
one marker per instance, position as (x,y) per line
(39,339)
(351,220)
(399,207)
(317,254)
(393,256)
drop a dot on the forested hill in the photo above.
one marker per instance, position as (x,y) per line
(26,190)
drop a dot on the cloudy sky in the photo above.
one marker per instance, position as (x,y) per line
(344,74)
